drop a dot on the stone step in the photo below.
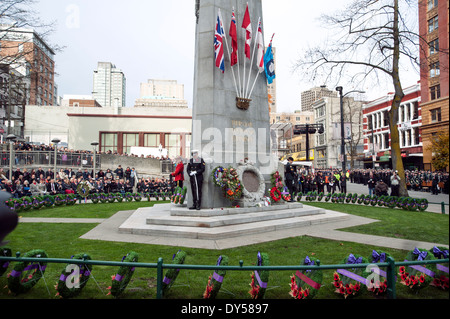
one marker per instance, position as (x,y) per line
(229,231)
(230,219)
(213,212)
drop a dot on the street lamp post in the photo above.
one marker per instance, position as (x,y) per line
(10,138)
(55,141)
(341,103)
(94,144)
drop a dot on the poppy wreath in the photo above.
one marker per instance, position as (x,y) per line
(103,198)
(94,198)
(401,203)
(418,276)
(110,197)
(441,279)
(378,287)
(49,200)
(128,196)
(215,281)
(285,194)
(155,195)
(299,196)
(367,200)
(179,195)
(320,196)
(348,198)
(305,284)
(123,276)
(361,198)
(391,201)
(119,197)
(11,203)
(27,203)
(233,188)
(276,179)
(137,197)
(348,281)
(70,199)
(84,272)
(381,200)
(313,196)
(341,197)
(423,204)
(275,194)
(354,198)
(411,204)
(4,252)
(374,200)
(25,275)
(258,288)
(335,198)
(83,190)
(172,274)
(60,199)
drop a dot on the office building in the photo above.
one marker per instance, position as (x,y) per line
(109,85)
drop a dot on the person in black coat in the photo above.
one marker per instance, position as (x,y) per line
(290,174)
(195,169)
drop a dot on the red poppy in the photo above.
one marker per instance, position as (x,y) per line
(422,278)
(336,276)
(402,269)
(349,290)
(337,284)
(356,287)
(342,290)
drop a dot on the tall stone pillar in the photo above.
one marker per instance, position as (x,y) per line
(223,133)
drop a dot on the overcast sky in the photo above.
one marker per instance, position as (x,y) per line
(151,39)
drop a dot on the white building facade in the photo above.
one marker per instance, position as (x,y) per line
(109,87)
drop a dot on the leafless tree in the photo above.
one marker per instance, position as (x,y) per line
(372,36)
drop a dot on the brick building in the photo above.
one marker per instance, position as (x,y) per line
(377,138)
(29,56)
(434,58)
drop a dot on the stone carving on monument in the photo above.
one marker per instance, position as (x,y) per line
(230,119)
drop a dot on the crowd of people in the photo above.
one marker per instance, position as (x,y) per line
(66,181)
(378,181)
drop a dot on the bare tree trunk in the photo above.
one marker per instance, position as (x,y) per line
(397,162)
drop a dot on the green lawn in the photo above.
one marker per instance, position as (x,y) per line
(62,241)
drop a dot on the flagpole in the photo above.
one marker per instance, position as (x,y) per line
(258,73)
(253,56)
(237,62)
(228,49)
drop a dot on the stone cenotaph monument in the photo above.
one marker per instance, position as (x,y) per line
(230,122)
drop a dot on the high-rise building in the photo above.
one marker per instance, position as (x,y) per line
(31,62)
(433,31)
(109,85)
(310,96)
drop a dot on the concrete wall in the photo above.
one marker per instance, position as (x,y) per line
(143,166)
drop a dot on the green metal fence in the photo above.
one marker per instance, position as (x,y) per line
(390,265)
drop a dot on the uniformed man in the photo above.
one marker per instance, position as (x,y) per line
(195,169)
(290,173)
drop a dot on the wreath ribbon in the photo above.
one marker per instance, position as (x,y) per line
(353,276)
(307,280)
(422,269)
(260,282)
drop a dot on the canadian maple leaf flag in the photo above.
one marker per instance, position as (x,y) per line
(247,25)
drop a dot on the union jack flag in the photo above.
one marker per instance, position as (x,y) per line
(218,45)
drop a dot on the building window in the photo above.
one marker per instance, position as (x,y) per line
(432,4)
(152,140)
(434,46)
(109,142)
(416,136)
(130,140)
(433,24)
(434,70)
(386,141)
(369,122)
(416,110)
(435,115)
(435,92)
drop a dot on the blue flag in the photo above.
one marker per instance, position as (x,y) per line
(269,64)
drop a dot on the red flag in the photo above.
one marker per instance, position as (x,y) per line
(247,25)
(234,44)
